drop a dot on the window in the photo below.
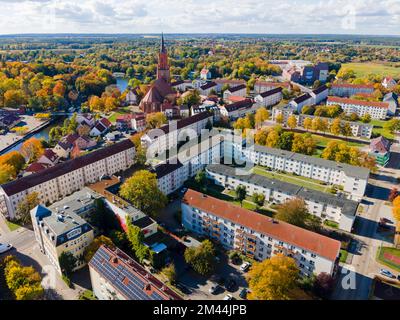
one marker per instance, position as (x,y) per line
(313,255)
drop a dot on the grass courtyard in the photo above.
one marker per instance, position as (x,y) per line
(322,141)
(297,180)
(379,128)
(362,70)
(389,257)
(120,112)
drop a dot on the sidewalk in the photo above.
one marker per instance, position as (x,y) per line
(3,226)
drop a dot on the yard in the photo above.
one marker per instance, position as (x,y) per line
(298,180)
(12,226)
(362,70)
(389,257)
(121,111)
(322,141)
(379,129)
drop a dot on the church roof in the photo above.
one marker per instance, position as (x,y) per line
(158,91)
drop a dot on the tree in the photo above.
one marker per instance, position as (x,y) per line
(292,121)
(136,238)
(140,155)
(32,149)
(95,245)
(309,110)
(240,192)
(156,120)
(346,130)
(15,160)
(272,138)
(67,262)
(336,126)
(26,205)
(83,130)
(307,124)
(293,211)
(55,134)
(273,279)
(119,238)
(392,125)
(201,178)
(170,272)
(261,137)
(285,141)
(279,118)
(258,199)
(201,258)
(142,191)
(324,285)
(262,115)
(394,192)
(316,124)
(366,118)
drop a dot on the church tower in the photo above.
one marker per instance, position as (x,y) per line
(163,67)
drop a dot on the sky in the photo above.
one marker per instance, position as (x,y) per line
(377,17)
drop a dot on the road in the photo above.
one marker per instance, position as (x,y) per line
(28,252)
(364,265)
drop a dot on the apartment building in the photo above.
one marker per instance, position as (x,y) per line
(258,236)
(169,135)
(348,89)
(228,82)
(262,86)
(312,97)
(269,98)
(239,109)
(116,276)
(323,205)
(192,158)
(207,88)
(62,227)
(237,91)
(65,178)
(377,110)
(353,179)
(358,129)
(306,74)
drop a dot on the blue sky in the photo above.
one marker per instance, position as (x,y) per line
(200,16)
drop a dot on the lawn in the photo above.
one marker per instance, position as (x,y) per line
(386,255)
(297,180)
(379,128)
(343,255)
(12,226)
(323,141)
(118,113)
(87,295)
(362,70)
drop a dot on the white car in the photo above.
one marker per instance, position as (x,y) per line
(387,273)
(245,266)
(4,247)
(228,297)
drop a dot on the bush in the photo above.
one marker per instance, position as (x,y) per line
(67,281)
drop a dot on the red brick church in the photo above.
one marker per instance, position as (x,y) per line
(160,92)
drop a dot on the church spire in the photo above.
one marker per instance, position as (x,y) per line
(162,49)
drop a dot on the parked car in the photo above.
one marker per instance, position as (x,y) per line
(228,297)
(4,247)
(230,285)
(214,288)
(243,293)
(245,266)
(387,273)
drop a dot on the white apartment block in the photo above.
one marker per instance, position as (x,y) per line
(61,228)
(323,205)
(238,91)
(353,179)
(239,109)
(231,83)
(190,159)
(348,89)
(207,88)
(170,135)
(63,179)
(269,98)
(310,98)
(262,86)
(258,236)
(358,129)
(377,110)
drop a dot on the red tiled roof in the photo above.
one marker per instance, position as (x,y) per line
(311,241)
(37,167)
(359,102)
(105,122)
(235,98)
(272,84)
(50,154)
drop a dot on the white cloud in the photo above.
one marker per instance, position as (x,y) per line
(200,16)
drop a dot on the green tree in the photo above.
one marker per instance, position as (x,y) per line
(201,258)
(67,262)
(258,199)
(240,192)
(95,245)
(170,272)
(285,141)
(136,238)
(366,118)
(293,211)
(142,191)
(201,178)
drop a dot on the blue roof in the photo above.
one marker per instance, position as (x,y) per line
(41,212)
(158,247)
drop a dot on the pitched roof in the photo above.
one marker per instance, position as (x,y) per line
(187,121)
(60,169)
(37,167)
(313,242)
(208,85)
(105,122)
(271,92)
(237,88)
(320,89)
(380,144)
(358,102)
(246,103)
(128,277)
(302,98)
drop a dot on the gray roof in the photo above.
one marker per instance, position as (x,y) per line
(351,171)
(349,207)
